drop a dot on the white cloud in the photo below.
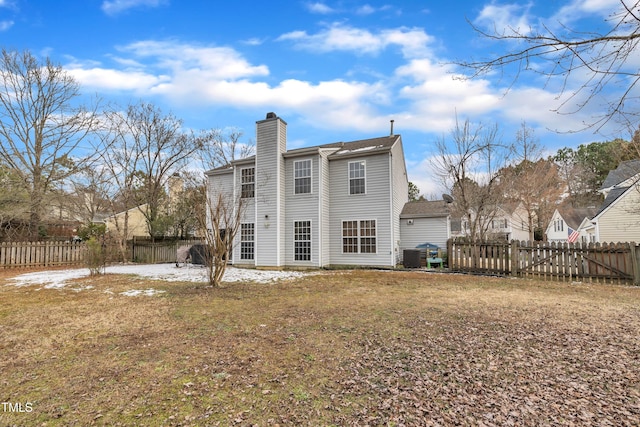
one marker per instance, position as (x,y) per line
(206,62)
(137,81)
(5,25)
(421,172)
(195,75)
(577,9)
(505,18)
(366,9)
(320,8)
(337,37)
(113,7)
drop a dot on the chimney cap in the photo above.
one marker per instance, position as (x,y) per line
(271,115)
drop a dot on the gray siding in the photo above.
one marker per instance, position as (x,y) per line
(374,205)
(269,203)
(424,230)
(400,194)
(325,205)
(248,214)
(301,207)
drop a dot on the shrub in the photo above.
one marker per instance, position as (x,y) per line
(95,259)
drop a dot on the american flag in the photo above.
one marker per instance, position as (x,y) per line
(573,235)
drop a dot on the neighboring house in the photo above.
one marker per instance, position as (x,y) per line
(570,225)
(507,222)
(333,204)
(618,219)
(137,223)
(425,221)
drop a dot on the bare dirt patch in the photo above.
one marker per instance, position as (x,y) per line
(343,348)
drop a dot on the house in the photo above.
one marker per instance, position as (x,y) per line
(618,219)
(136,223)
(425,221)
(333,204)
(507,221)
(570,225)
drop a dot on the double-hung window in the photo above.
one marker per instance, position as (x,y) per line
(302,176)
(359,237)
(248,183)
(357,179)
(247,239)
(302,240)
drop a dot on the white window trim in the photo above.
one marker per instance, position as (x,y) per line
(364,163)
(310,240)
(245,241)
(310,177)
(359,220)
(254,181)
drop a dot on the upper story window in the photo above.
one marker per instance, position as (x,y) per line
(248,181)
(499,223)
(302,176)
(357,180)
(558,225)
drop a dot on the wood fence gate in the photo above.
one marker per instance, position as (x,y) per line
(599,262)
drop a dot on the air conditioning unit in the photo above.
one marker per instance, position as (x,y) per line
(409,222)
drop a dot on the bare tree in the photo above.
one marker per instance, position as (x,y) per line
(221,219)
(468,164)
(145,148)
(600,60)
(41,129)
(220,147)
(531,180)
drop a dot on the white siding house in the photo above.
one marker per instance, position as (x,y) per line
(618,219)
(570,225)
(332,204)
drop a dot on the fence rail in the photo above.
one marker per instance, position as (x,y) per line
(41,254)
(598,262)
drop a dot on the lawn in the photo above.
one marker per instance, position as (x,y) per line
(333,348)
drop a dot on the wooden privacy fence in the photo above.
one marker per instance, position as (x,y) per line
(148,252)
(41,254)
(599,262)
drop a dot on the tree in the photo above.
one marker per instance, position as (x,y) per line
(467,164)
(414,192)
(188,206)
(220,148)
(145,148)
(600,61)
(221,219)
(531,180)
(585,168)
(41,129)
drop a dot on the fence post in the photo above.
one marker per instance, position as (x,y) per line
(515,257)
(635,263)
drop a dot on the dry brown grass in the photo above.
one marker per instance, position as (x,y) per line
(338,348)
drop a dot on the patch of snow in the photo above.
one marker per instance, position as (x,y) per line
(50,279)
(167,272)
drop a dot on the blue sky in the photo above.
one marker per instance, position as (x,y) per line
(333,70)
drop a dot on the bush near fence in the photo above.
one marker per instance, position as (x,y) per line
(598,262)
